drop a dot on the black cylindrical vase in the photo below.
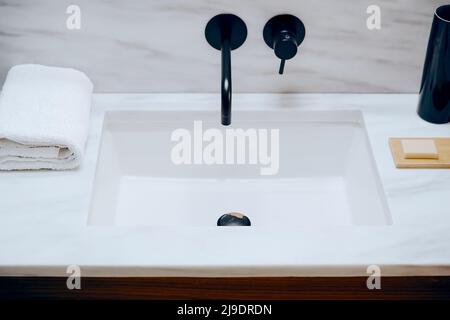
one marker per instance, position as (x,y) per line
(434,100)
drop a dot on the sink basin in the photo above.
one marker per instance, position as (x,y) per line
(326,173)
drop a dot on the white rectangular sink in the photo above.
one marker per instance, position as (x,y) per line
(327,175)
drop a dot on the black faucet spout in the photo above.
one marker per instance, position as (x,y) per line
(226,81)
(226,32)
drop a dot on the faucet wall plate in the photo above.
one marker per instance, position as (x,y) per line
(233,25)
(284,33)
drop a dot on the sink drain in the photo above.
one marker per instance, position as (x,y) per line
(233,219)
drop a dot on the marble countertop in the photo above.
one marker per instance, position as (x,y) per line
(43,215)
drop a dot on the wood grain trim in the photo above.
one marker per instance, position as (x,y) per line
(285,288)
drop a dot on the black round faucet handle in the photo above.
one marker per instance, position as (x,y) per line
(284,33)
(285,45)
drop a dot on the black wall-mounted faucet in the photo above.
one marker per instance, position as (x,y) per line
(226,32)
(284,33)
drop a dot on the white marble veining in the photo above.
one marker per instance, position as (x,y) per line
(43,215)
(159,46)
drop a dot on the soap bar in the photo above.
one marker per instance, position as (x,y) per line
(419,149)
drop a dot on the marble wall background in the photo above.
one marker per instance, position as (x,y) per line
(159,45)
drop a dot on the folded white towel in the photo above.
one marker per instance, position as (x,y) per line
(44,118)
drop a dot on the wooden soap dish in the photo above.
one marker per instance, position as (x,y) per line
(404,160)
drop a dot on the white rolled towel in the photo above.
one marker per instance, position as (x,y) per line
(44,118)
